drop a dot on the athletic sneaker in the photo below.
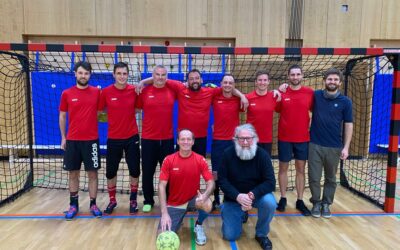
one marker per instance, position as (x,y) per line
(316,210)
(72,212)
(133,207)
(302,208)
(282,204)
(201,238)
(95,211)
(110,207)
(264,242)
(326,212)
(147,208)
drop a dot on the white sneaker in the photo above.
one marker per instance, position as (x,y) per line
(201,238)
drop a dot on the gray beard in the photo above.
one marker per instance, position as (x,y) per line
(246,154)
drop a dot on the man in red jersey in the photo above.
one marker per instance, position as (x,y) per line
(182,171)
(81,143)
(118,100)
(194,104)
(157,102)
(293,135)
(260,113)
(226,109)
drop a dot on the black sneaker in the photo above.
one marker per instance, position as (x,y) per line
(282,205)
(245,217)
(316,210)
(110,207)
(302,208)
(264,242)
(325,211)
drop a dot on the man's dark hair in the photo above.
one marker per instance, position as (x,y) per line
(192,71)
(295,66)
(121,65)
(334,71)
(85,65)
(262,72)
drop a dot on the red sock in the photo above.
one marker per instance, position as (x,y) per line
(134,189)
(111,193)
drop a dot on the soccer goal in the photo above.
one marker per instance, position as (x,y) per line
(34,75)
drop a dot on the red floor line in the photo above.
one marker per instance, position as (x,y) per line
(153,214)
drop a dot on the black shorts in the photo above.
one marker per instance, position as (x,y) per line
(289,150)
(217,151)
(115,150)
(77,152)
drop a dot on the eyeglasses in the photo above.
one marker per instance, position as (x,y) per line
(243,139)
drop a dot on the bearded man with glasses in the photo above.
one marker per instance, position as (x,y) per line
(247,179)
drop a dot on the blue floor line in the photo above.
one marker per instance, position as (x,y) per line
(233,245)
(58,217)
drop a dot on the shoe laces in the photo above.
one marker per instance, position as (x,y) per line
(72,209)
(94,208)
(200,231)
(111,205)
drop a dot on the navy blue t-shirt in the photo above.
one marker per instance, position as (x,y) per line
(327,119)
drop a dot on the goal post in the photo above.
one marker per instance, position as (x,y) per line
(371,79)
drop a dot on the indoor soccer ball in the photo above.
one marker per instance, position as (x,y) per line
(167,240)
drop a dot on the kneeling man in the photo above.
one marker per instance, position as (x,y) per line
(182,171)
(247,179)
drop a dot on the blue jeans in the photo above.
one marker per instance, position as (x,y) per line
(232,215)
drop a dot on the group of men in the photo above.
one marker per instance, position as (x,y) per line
(240,156)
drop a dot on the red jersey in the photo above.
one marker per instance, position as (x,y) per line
(260,114)
(193,107)
(226,116)
(81,105)
(157,105)
(183,176)
(294,120)
(120,105)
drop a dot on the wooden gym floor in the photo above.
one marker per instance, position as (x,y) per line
(35,221)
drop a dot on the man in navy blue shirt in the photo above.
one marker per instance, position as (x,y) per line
(331,109)
(247,179)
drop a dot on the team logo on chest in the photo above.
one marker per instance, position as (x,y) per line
(74,99)
(114,99)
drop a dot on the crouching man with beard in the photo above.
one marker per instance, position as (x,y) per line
(247,179)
